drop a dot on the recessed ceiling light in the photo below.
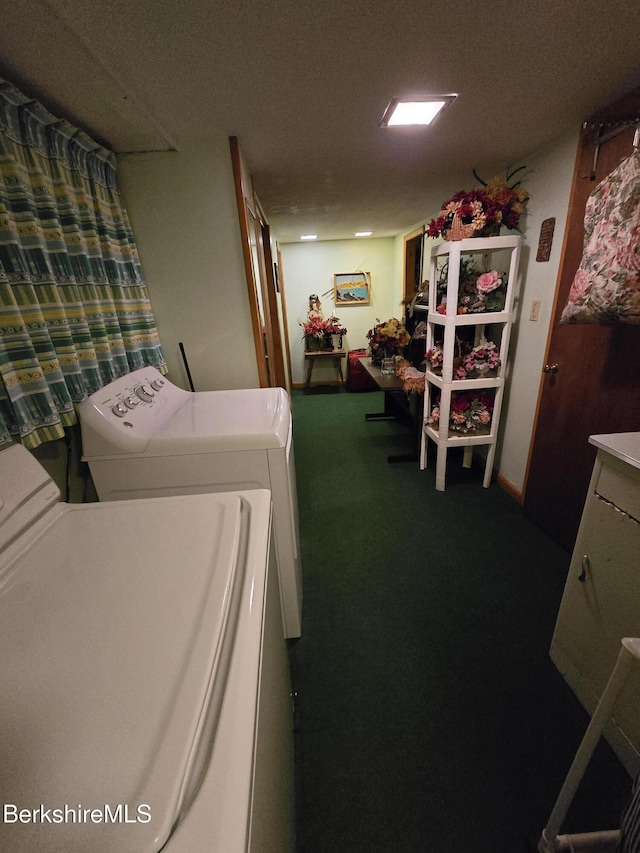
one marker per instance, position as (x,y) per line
(364,233)
(419,112)
(308,236)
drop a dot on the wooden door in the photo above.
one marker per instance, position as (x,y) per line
(593,386)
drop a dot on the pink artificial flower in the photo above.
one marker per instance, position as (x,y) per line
(484,417)
(487,282)
(486,400)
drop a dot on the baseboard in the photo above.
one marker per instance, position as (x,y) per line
(509,488)
(335,382)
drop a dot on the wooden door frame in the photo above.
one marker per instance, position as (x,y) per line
(270,299)
(285,320)
(416,236)
(261,285)
(568,238)
(243,197)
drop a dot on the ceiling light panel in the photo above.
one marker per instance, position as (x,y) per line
(402,113)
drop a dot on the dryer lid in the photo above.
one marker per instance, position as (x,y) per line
(217,421)
(115,625)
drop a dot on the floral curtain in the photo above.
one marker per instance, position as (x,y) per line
(74,310)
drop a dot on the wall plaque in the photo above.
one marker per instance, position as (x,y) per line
(546,239)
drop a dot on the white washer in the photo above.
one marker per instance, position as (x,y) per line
(144,699)
(145,437)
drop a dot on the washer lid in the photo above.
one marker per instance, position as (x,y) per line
(116,622)
(215,421)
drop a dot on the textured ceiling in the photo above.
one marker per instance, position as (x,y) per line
(304,84)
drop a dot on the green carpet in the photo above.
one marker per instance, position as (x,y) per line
(429,716)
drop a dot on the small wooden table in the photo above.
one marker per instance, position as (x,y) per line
(336,355)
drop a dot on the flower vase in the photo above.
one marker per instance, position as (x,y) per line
(312,343)
(327,343)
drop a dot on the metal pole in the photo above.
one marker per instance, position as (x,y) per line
(186,365)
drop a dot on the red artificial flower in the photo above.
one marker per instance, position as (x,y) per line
(460,403)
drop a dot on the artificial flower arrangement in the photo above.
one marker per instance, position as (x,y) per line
(318,332)
(480,361)
(486,293)
(332,326)
(483,360)
(434,358)
(386,339)
(481,212)
(477,292)
(412,379)
(470,412)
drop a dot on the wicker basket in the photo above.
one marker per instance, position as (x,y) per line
(458,230)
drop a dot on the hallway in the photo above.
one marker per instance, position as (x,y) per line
(429,717)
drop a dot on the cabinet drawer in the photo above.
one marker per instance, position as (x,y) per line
(622,490)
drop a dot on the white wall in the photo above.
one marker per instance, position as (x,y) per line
(309,268)
(184,216)
(548,179)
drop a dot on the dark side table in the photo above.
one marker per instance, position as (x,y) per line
(397,406)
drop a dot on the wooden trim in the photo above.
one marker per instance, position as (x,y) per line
(508,487)
(276,360)
(285,322)
(239,181)
(413,235)
(319,382)
(565,242)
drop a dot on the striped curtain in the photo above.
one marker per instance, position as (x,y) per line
(74,309)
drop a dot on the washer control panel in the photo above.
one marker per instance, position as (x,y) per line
(126,413)
(143,393)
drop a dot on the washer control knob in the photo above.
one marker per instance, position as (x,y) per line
(131,402)
(157,384)
(119,410)
(145,392)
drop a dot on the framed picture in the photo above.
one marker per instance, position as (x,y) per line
(351,288)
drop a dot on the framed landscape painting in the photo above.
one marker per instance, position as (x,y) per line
(351,288)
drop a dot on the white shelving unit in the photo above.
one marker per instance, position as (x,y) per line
(503,254)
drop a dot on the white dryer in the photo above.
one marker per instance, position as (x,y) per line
(144,699)
(145,437)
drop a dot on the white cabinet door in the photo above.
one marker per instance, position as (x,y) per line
(598,611)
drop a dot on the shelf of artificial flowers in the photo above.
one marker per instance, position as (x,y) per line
(472,285)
